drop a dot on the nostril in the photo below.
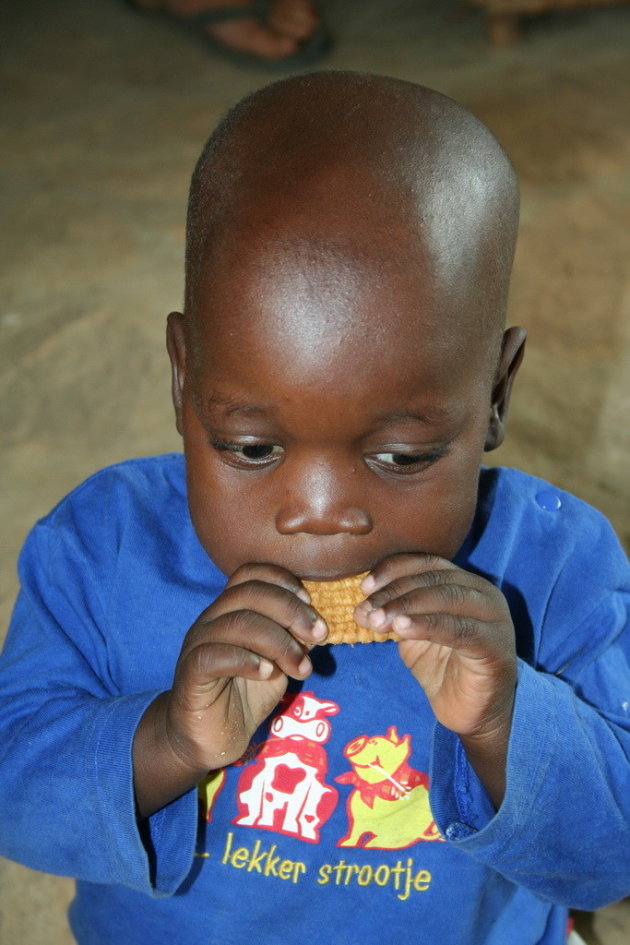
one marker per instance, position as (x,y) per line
(356,521)
(349,521)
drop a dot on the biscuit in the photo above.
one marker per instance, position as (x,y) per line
(335,601)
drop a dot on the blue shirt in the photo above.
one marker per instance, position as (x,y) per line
(354,816)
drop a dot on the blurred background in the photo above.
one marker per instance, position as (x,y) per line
(104,111)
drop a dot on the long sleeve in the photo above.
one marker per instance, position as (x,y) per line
(67,722)
(563,830)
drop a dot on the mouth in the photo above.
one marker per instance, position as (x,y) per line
(332,574)
(326,557)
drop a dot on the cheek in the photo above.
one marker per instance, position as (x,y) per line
(434,526)
(214,508)
(232,516)
(222,519)
(436,516)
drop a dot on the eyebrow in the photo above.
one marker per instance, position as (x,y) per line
(436,415)
(229,404)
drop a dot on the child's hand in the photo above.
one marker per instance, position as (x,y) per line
(234,664)
(458,641)
(231,672)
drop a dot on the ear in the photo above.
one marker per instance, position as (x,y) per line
(512,350)
(176,346)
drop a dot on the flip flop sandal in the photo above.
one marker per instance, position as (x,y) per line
(310,50)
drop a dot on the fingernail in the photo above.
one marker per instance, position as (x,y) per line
(401,622)
(377,618)
(304,595)
(305,667)
(319,629)
(265,669)
(368,584)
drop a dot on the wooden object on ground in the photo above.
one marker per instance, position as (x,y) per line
(504,16)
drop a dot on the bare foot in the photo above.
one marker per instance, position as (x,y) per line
(288,24)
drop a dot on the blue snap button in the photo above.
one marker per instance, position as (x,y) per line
(458,831)
(549,500)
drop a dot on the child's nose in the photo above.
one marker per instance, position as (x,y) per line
(323,503)
(351,520)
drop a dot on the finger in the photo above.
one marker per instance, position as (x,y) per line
(209,664)
(252,631)
(473,638)
(451,590)
(270,574)
(402,565)
(270,600)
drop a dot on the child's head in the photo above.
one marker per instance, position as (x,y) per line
(341,364)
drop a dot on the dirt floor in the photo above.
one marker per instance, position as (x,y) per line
(104,112)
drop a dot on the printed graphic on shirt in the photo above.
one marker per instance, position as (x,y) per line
(285,788)
(389,806)
(402,877)
(208,790)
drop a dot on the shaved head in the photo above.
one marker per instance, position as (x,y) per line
(356,168)
(342,364)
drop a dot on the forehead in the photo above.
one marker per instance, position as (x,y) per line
(349,181)
(312,248)
(313,313)
(353,224)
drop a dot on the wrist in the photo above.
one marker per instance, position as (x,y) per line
(161,772)
(487,752)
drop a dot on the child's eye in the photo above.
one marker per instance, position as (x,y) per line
(248,454)
(402,463)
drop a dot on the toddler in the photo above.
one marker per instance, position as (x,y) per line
(176,732)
